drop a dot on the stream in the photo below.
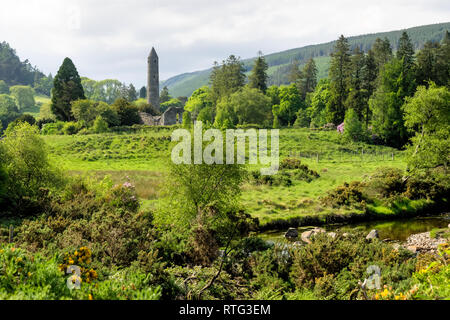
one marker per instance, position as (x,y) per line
(398,230)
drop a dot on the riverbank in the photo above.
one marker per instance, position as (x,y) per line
(398,211)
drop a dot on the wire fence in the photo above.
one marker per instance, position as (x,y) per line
(361,155)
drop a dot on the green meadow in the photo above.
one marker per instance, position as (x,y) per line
(142,157)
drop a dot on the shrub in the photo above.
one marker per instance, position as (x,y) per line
(27,166)
(100,125)
(334,266)
(84,109)
(144,106)
(291,168)
(70,128)
(41,122)
(387,182)
(8,110)
(429,184)
(29,277)
(346,195)
(187,120)
(25,118)
(109,224)
(34,277)
(52,128)
(353,128)
(128,114)
(281,178)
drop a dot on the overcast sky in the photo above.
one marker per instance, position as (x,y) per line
(112,39)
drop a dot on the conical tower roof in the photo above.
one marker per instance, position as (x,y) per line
(153,53)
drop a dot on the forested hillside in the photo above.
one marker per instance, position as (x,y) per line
(279,63)
(14,72)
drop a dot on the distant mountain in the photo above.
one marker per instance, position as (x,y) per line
(184,84)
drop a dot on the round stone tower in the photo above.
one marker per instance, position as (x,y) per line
(153,79)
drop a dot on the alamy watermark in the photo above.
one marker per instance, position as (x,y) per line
(187,152)
(74,281)
(374,281)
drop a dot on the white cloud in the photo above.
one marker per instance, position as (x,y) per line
(111,38)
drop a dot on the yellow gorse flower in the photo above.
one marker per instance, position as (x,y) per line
(80,258)
(385,293)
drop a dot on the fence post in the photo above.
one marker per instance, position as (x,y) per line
(317,157)
(392,156)
(11,233)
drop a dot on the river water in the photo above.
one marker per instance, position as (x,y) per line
(398,230)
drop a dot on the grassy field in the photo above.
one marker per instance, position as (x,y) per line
(40,100)
(142,159)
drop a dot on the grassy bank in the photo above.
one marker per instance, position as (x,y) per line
(404,210)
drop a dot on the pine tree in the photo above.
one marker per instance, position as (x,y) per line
(294,74)
(427,63)
(405,54)
(443,61)
(132,94)
(143,93)
(382,52)
(357,98)
(309,80)
(339,80)
(66,88)
(370,74)
(226,78)
(258,77)
(405,50)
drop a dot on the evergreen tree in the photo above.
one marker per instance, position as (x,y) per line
(370,74)
(382,52)
(66,88)
(143,93)
(258,76)
(226,78)
(357,97)
(405,50)
(340,68)
(443,61)
(309,80)
(427,63)
(132,94)
(405,54)
(294,74)
(164,95)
